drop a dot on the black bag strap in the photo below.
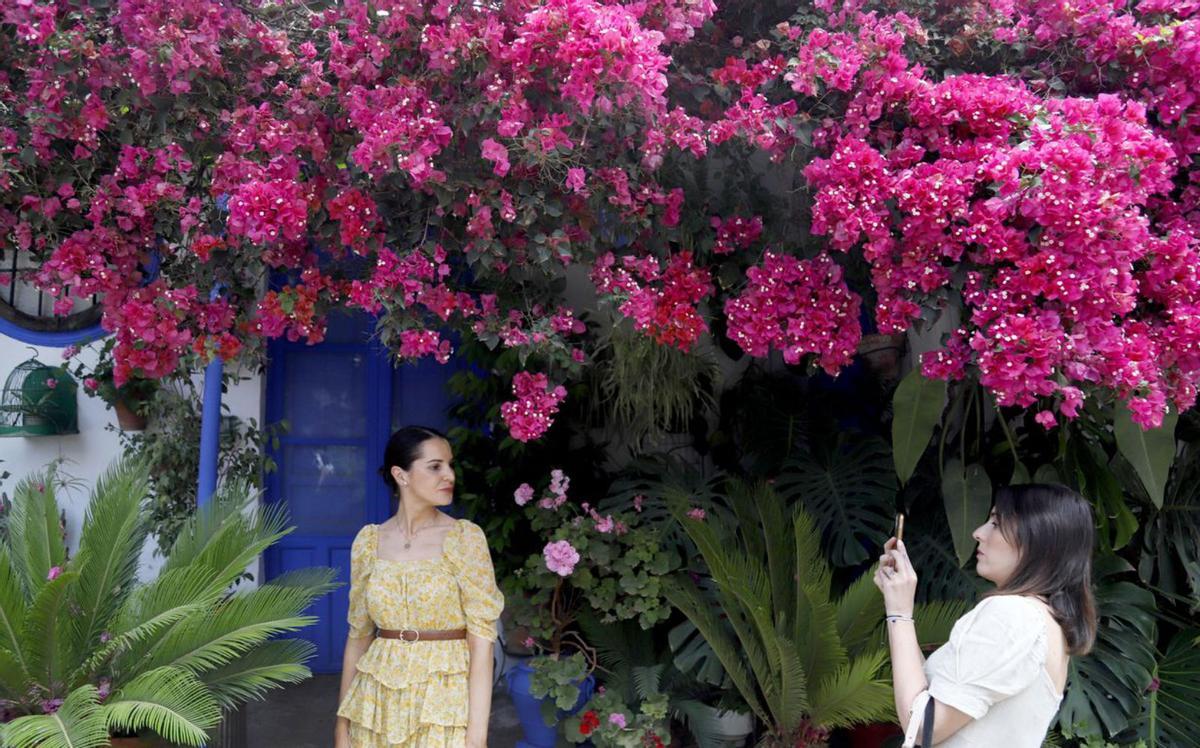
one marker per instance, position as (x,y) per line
(927,726)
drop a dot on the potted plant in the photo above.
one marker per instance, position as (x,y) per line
(803,675)
(91,654)
(610,564)
(608,722)
(129,400)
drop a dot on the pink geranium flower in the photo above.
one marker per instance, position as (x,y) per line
(561,557)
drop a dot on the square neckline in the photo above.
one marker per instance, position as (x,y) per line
(441,554)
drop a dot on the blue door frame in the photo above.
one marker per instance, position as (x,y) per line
(342,399)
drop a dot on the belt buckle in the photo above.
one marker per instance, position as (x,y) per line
(404,635)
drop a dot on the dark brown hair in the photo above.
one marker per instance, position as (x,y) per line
(403,448)
(1054,532)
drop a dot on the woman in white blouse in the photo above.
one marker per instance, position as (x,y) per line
(1000,678)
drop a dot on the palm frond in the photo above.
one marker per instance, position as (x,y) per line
(855,694)
(148,613)
(271,665)
(780,548)
(935,620)
(823,651)
(76,724)
(46,632)
(170,702)
(793,704)
(237,625)
(14,678)
(685,597)
(114,530)
(228,533)
(317,579)
(859,614)
(13,609)
(34,535)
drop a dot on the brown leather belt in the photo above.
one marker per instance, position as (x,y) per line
(408,635)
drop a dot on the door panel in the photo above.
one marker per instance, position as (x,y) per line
(342,400)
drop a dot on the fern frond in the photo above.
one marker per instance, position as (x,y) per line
(170,702)
(76,724)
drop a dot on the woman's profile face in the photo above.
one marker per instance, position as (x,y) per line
(996,558)
(430,478)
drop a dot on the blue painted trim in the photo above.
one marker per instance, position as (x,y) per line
(210,432)
(51,339)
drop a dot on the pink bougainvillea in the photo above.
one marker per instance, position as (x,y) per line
(533,410)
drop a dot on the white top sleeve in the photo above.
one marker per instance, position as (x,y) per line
(994,652)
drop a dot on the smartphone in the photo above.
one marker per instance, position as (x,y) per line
(899,533)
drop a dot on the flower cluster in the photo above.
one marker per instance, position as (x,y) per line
(532,413)
(607,722)
(612,559)
(798,307)
(663,303)
(736,233)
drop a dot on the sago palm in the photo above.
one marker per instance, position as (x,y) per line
(804,662)
(86,651)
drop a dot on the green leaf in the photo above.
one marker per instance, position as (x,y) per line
(1151,452)
(917,406)
(967,492)
(77,724)
(170,702)
(849,489)
(1173,714)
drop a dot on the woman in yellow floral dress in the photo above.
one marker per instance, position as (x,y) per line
(417,672)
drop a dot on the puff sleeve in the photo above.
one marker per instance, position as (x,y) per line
(362,560)
(482,600)
(993,653)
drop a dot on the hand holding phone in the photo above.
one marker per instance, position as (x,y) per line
(899,533)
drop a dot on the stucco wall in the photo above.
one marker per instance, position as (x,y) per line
(89,452)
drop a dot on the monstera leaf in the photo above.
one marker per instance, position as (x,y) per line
(1105,688)
(849,489)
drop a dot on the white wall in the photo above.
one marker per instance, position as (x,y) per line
(89,452)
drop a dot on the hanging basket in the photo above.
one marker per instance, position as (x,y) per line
(38,400)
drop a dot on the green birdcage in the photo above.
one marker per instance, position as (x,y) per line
(38,400)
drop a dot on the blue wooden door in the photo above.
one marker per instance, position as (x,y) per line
(342,399)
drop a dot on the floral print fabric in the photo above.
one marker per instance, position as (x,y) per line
(414,695)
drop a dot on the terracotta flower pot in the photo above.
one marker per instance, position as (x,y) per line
(129,743)
(882,353)
(127,418)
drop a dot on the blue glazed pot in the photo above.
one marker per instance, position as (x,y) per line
(529,708)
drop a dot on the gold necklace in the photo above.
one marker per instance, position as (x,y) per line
(405,535)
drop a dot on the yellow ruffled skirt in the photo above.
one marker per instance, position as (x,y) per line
(409,695)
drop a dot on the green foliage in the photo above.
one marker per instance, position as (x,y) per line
(1172,715)
(168,446)
(847,485)
(967,491)
(644,390)
(797,654)
(1151,452)
(636,728)
(170,653)
(1105,688)
(557,678)
(917,404)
